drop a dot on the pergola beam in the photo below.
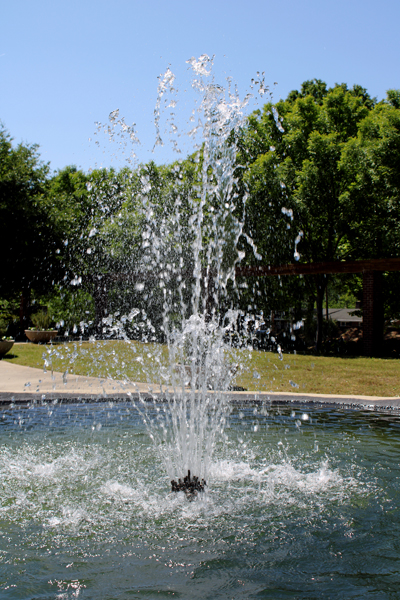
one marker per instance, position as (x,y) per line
(371,270)
(350,266)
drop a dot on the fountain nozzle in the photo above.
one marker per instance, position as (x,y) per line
(190,485)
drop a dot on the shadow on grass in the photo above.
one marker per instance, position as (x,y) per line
(9,356)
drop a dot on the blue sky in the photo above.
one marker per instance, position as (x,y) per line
(66,65)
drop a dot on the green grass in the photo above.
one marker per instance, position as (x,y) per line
(114,359)
(143,362)
(324,375)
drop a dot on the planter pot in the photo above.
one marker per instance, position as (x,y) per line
(5,346)
(40,337)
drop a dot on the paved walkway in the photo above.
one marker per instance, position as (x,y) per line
(27,380)
(18,383)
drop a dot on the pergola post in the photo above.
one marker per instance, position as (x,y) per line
(372,313)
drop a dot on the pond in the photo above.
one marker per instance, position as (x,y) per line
(299,504)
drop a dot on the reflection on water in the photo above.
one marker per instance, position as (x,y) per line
(300,504)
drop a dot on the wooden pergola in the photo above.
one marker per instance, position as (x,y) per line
(371,269)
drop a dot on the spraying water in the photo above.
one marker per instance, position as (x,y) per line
(193,247)
(189,220)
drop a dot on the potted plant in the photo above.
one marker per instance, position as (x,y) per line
(41,332)
(6,342)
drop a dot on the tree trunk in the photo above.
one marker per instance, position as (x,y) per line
(326,299)
(209,294)
(321,283)
(24,310)
(100,297)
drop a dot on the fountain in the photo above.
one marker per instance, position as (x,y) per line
(284,502)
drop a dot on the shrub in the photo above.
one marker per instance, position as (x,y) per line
(41,320)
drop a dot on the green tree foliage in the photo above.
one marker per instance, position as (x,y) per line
(71,309)
(317,176)
(87,204)
(89,210)
(323,180)
(299,203)
(29,230)
(163,200)
(370,162)
(125,232)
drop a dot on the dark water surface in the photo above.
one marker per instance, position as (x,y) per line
(300,504)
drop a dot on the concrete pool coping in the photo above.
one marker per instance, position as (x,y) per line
(21,385)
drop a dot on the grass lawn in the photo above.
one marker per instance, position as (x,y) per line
(263,371)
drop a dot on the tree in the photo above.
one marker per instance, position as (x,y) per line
(89,208)
(298,192)
(29,233)
(370,162)
(126,233)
